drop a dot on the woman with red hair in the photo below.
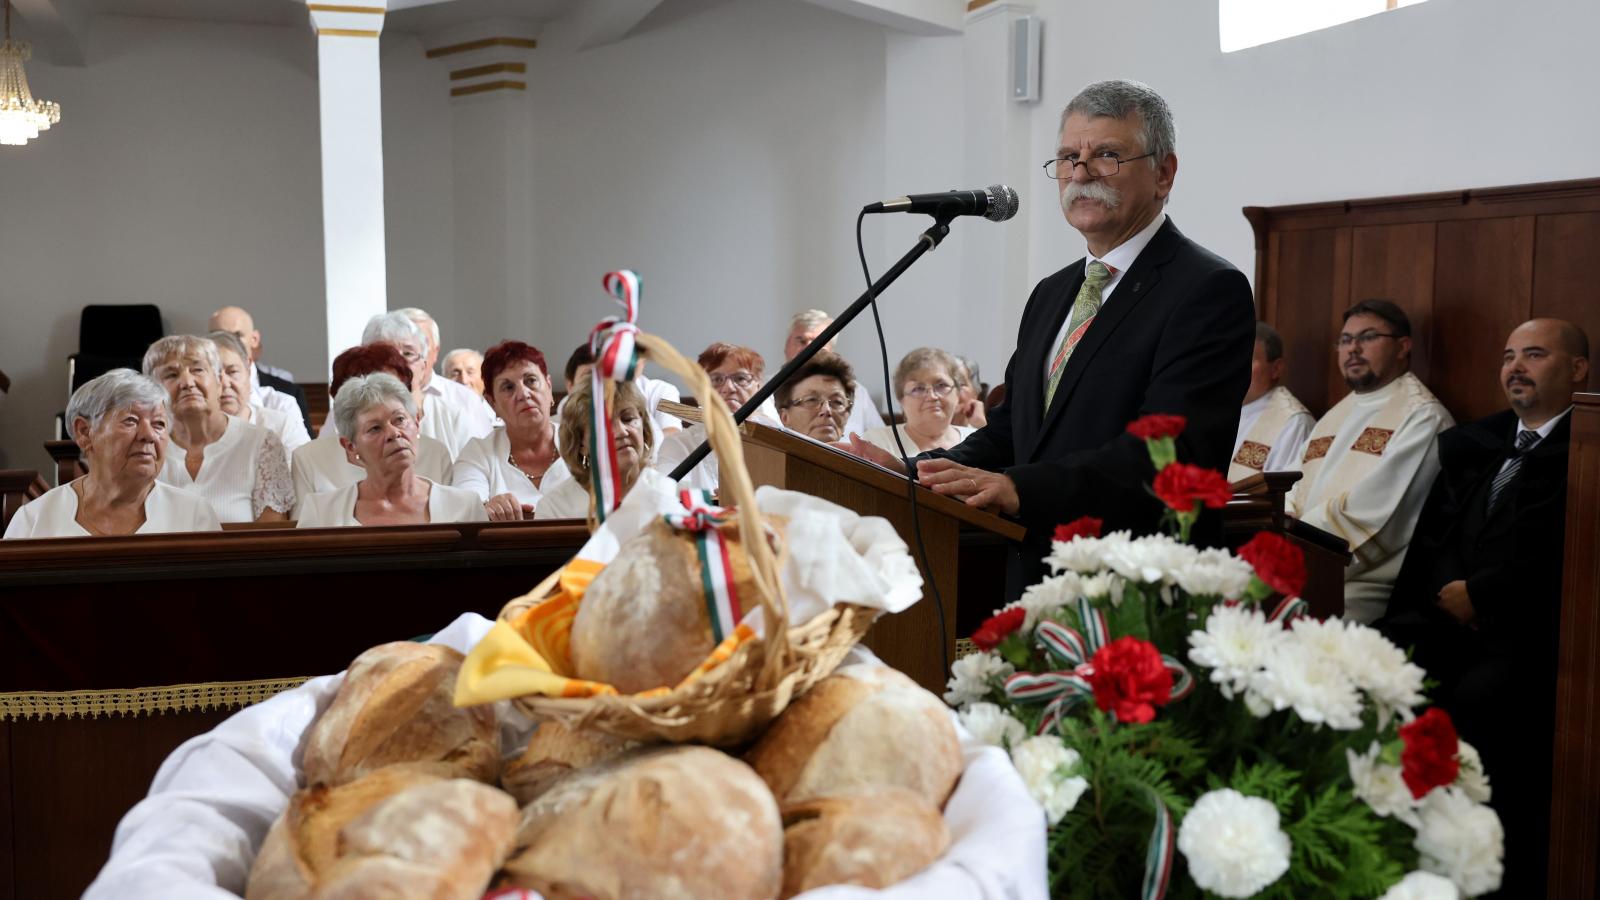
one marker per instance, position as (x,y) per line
(323,465)
(736,376)
(517,464)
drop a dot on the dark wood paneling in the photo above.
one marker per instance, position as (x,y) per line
(1396,262)
(1566,270)
(1306,292)
(1483,288)
(8,819)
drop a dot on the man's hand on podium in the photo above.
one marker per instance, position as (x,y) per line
(975,487)
(872,453)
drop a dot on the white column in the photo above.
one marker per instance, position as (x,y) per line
(352,166)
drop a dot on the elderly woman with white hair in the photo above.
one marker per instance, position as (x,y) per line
(439,418)
(242,469)
(927,383)
(120,423)
(239,400)
(632,438)
(377,420)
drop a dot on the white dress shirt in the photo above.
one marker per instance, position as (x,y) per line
(267,397)
(322,465)
(166,509)
(337,509)
(484,467)
(476,415)
(1118,259)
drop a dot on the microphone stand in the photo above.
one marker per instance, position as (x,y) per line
(926,241)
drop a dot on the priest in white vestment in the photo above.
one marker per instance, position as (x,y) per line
(1273,423)
(1370,461)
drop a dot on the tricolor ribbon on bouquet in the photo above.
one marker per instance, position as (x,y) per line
(1158,856)
(616,358)
(1287,610)
(703,519)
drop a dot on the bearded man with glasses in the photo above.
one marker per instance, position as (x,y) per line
(1146,322)
(1369,462)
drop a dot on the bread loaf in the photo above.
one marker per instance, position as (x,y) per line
(873,839)
(395,706)
(676,822)
(861,727)
(553,752)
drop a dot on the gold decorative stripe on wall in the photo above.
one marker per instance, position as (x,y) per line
(974,5)
(330,7)
(347,32)
(490,69)
(525,43)
(141,701)
(487,86)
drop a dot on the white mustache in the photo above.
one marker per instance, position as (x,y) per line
(1091,190)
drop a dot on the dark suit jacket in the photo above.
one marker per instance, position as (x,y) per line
(290,388)
(1176,337)
(1510,558)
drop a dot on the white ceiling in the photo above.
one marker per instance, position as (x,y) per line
(416,16)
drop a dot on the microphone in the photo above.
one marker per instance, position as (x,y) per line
(996,203)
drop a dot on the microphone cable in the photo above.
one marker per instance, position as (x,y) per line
(911,474)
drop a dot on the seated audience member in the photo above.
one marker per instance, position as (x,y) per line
(1273,424)
(518,463)
(270,387)
(437,418)
(970,410)
(803,329)
(465,367)
(1369,461)
(735,374)
(925,382)
(631,438)
(240,468)
(119,422)
(477,415)
(815,401)
(377,422)
(237,399)
(1479,596)
(577,369)
(654,391)
(323,466)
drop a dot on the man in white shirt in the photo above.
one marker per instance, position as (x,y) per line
(803,329)
(465,366)
(1273,423)
(475,411)
(269,387)
(438,418)
(1368,462)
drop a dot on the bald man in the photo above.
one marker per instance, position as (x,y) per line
(274,389)
(1479,595)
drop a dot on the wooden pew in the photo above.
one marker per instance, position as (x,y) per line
(115,650)
(18,486)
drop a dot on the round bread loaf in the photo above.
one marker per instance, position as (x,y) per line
(862,727)
(552,753)
(873,839)
(674,822)
(396,706)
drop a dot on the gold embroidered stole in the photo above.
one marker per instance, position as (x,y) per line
(1258,443)
(1363,456)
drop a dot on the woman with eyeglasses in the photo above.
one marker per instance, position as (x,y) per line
(735,374)
(815,402)
(927,384)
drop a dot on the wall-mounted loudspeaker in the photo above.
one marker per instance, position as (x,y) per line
(1025,59)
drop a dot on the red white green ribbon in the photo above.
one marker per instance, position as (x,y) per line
(1287,610)
(716,567)
(616,358)
(1158,856)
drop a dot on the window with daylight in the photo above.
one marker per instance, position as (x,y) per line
(1250,23)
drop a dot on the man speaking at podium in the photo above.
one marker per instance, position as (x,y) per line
(1147,322)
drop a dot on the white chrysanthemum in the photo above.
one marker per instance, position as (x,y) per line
(1101,585)
(1050,594)
(1313,684)
(1423,886)
(992,725)
(1082,554)
(1380,786)
(1152,559)
(1461,840)
(1259,706)
(1472,779)
(1216,573)
(1233,843)
(1234,646)
(1050,770)
(971,677)
(1381,670)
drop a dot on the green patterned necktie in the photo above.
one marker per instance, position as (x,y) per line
(1084,309)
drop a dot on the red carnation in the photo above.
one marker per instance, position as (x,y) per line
(1278,562)
(1181,486)
(1156,426)
(1429,757)
(996,627)
(1129,679)
(1086,526)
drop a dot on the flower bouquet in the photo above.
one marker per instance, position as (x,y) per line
(1157,698)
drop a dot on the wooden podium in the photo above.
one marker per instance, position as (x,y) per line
(1257,505)
(966,548)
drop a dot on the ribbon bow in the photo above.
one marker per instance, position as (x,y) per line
(616,358)
(702,519)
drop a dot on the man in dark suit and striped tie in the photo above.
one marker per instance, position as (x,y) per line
(1479,594)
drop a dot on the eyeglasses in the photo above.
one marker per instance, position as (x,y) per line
(411,356)
(836,404)
(940,389)
(737,379)
(1364,338)
(1103,165)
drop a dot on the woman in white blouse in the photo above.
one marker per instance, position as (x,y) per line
(926,383)
(377,420)
(632,438)
(238,400)
(735,374)
(515,465)
(120,423)
(241,468)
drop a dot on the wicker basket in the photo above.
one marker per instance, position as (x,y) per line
(733,701)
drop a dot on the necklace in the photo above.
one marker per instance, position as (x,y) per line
(532,476)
